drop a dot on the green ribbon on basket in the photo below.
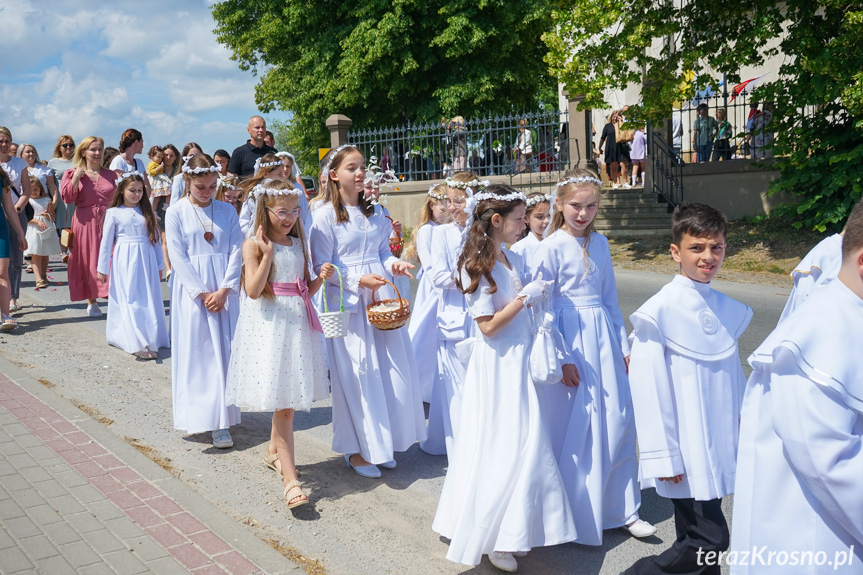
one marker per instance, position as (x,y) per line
(341,292)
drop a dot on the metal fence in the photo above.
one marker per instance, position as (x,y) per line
(702,134)
(515,145)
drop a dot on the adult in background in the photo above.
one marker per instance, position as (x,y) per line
(36,168)
(61,160)
(270,139)
(221,157)
(90,187)
(609,140)
(722,145)
(131,143)
(703,134)
(15,168)
(7,323)
(242,162)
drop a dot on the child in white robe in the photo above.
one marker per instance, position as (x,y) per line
(799,488)
(377,408)
(687,386)
(537,218)
(589,413)
(453,324)
(205,247)
(131,256)
(818,268)
(422,328)
(503,494)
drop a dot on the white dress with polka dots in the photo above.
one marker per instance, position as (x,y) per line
(277,360)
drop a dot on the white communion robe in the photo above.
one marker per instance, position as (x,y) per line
(591,426)
(526,248)
(817,268)
(503,490)
(453,326)
(687,388)
(799,482)
(377,408)
(136,311)
(200,339)
(422,328)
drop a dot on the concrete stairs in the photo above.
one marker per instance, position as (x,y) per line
(633,213)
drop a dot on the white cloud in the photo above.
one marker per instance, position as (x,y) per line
(88,70)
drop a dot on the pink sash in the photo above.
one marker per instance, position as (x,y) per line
(299,288)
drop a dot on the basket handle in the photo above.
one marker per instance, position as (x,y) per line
(398,295)
(341,292)
(398,235)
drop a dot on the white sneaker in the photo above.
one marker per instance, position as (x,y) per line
(503,561)
(222,439)
(640,528)
(93,310)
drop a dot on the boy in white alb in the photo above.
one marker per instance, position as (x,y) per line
(818,268)
(798,506)
(687,387)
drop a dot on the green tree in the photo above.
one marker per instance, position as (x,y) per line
(387,62)
(818,95)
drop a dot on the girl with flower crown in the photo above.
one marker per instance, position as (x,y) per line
(537,218)
(503,494)
(205,245)
(423,324)
(131,255)
(267,167)
(278,361)
(453,322)
(589,414)
(377,408)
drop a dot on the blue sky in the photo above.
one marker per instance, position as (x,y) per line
(96,68)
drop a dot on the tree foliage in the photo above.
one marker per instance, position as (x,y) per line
(387,62)
(599,45)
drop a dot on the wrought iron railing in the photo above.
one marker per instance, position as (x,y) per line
(515,145)
(667,168)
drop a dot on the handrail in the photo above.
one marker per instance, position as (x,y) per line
(667,169)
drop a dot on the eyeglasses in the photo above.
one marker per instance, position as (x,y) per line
(67,145)
(285,214)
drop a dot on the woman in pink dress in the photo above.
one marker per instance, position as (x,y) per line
(90,188)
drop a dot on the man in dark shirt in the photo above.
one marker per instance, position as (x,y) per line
(242,162)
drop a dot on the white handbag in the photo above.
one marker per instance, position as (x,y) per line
(543,361)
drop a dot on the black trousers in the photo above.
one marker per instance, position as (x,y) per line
(701,526)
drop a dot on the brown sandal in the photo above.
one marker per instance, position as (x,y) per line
(292,487)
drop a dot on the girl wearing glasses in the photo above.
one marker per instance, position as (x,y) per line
(278,361)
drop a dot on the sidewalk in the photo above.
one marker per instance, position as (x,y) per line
(75,498)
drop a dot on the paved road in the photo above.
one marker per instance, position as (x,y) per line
(355,525)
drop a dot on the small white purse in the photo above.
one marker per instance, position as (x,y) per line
(543,361)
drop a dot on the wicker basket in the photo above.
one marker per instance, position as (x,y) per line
(397,242)
(392,318)
(335,323)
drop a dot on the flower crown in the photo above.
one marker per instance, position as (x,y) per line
(201,170)
(435,196)
(223,181)
(513,197)
(473,184)
(333,155)
(125,175)
(537,199)
(263,190)
(261,165)
(579,180)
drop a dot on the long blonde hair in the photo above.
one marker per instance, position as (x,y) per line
(425,217)
(78,160)
(564,192)
(262,219)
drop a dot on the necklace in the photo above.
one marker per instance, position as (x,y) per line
(208,234)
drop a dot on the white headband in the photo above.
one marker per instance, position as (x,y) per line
(468,185)
(202,170)
(474,200)
(263,190)
(579,180)
(260,165)
(537,199)
(336,151)
(125,175)
(223,181)
(433,195)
